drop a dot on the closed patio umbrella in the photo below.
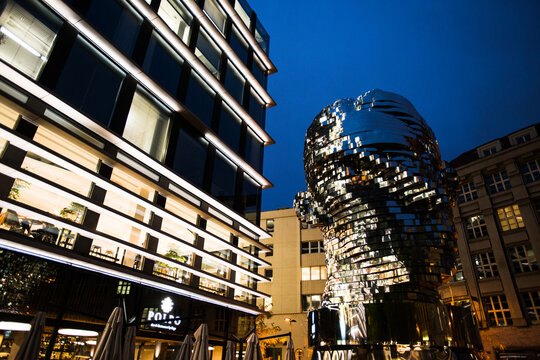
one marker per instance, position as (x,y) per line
(185,350)
(289,353)
(230,352)
(129,343)
(30,346)
(109,346)
(200,349)
(253,350)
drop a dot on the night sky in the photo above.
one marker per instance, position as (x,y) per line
(471,69)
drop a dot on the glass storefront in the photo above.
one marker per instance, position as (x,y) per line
(76,299)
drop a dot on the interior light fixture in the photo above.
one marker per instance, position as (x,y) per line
(19,41)
(91,342)
(14,326)
(78,332)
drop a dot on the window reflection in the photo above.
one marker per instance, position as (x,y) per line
(254,150)
(163,64)
(101,81)
(176,17)
(200,99)
(209,53)
(234,82)
(224,179)
(27,33)
(117,20)
(215,13)
(190,156)
(147,125)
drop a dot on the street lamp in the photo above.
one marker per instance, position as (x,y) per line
(290,321)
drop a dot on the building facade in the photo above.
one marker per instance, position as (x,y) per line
(298,274)
(131,145)
(497,222)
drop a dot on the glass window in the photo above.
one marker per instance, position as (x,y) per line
(27,34)
(498,182)
(200,99)
(306,273)
(218,230)
(523,258)
(190,157)
(234,82)
(8,116)
(208,52)
(230,127)
(223,179)
(90,82)
(256,110)
(498,310)
(215,13)
(510,218)
(243,10)
(212,286)
(169,271)
(64,144)
(117,21)
(217,248)
(262,37)
(258,70)
(312,247)
(311,302)
(531,171)
(467,192)
(132,182)
(176,17)
(175,251)
(126,206)
(180,210)
(476,227)
(239,45)
(56,174)
(485,265)
(163,64)
(147,125)
(315,273)
(532,304)
(251,195)
(254,150)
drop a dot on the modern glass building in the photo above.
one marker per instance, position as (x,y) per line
(131,145)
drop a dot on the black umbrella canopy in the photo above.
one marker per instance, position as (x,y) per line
(109,346)
(185,350)
(200,351)
(29,349)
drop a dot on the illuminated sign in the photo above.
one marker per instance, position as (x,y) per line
(157,317)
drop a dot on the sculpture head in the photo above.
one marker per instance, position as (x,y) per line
(378,190)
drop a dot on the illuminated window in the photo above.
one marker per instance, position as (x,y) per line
(485,265)
(467,192)
(311,302)
(458,276)
(498,311)
(124,287)
(314,273)
(476,227)
(510,218)
(532,304)
(147,125)
(27,35)
(498,182)
(523,258)
(215,13)
(531,171)
(176,17)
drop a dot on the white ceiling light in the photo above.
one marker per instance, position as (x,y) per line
(14,326)
(78,332)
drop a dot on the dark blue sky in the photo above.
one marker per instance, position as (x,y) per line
(471,69)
